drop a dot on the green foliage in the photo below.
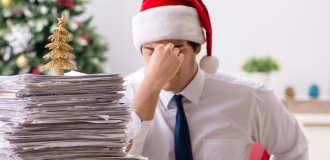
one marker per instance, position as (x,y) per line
(39,16)
(261,64)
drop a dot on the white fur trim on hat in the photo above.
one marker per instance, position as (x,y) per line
(209,64)
(166,23)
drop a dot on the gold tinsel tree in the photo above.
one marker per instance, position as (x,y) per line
(60,48)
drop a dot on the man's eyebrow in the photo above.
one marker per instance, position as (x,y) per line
(178,46)
(149,48)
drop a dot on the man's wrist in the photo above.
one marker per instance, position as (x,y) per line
(154,83)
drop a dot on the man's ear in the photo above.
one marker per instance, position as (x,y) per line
(198,49)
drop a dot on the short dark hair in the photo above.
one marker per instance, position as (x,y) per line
(190,43)
(193,44)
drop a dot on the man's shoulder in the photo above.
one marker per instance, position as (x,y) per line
(136,77)
(228,79)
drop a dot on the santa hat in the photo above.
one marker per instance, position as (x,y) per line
(175,20)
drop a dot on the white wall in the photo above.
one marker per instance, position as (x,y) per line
(296,33)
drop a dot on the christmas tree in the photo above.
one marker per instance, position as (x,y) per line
(60,49)
(25,26)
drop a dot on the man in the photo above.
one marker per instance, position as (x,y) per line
(186,111)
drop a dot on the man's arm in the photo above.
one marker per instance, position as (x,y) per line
(275,128)
(163,65)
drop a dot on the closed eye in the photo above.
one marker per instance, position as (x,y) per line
(150,50)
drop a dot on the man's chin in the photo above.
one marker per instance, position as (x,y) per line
(171,87)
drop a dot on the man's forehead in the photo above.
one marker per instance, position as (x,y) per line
(165,42)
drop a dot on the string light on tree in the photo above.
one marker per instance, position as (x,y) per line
(60,52)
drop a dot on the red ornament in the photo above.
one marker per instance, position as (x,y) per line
(84,36)
(79,24)
(67,3)
(37,69)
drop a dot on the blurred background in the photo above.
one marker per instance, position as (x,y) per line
(294,33)
(284,44)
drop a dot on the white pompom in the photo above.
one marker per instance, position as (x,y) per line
(209,64)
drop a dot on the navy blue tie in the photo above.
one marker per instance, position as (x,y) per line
(181,133)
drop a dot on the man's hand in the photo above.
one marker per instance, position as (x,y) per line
(164,64)
(162,67)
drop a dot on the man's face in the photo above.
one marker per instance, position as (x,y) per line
(188,67)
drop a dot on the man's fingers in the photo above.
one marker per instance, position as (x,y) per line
(160,46)
(170,46)
(176,51)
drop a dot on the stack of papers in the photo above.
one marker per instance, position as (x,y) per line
(63,117)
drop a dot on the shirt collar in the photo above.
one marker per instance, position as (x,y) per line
(193,91)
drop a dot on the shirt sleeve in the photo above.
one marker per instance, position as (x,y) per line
(136,129)
(275,128)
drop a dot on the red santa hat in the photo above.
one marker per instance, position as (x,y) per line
(175,20)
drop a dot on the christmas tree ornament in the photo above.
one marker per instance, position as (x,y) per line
(79,24)
(84,36)
(289,92)
(83,40)
(40,24)
(28,13)
(2,52)
(72,25)
(60,49)
(5,3)
(314,91)
(30,46)
(22,61)
(18,12)
(7,54)
(54,11)
(67,3)
(7,12)
(36,70)
(43,9)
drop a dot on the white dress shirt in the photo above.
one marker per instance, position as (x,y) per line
(225,114)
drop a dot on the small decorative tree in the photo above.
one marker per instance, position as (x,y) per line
(261,64)
(60,48)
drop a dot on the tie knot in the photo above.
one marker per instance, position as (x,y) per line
(177,98)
